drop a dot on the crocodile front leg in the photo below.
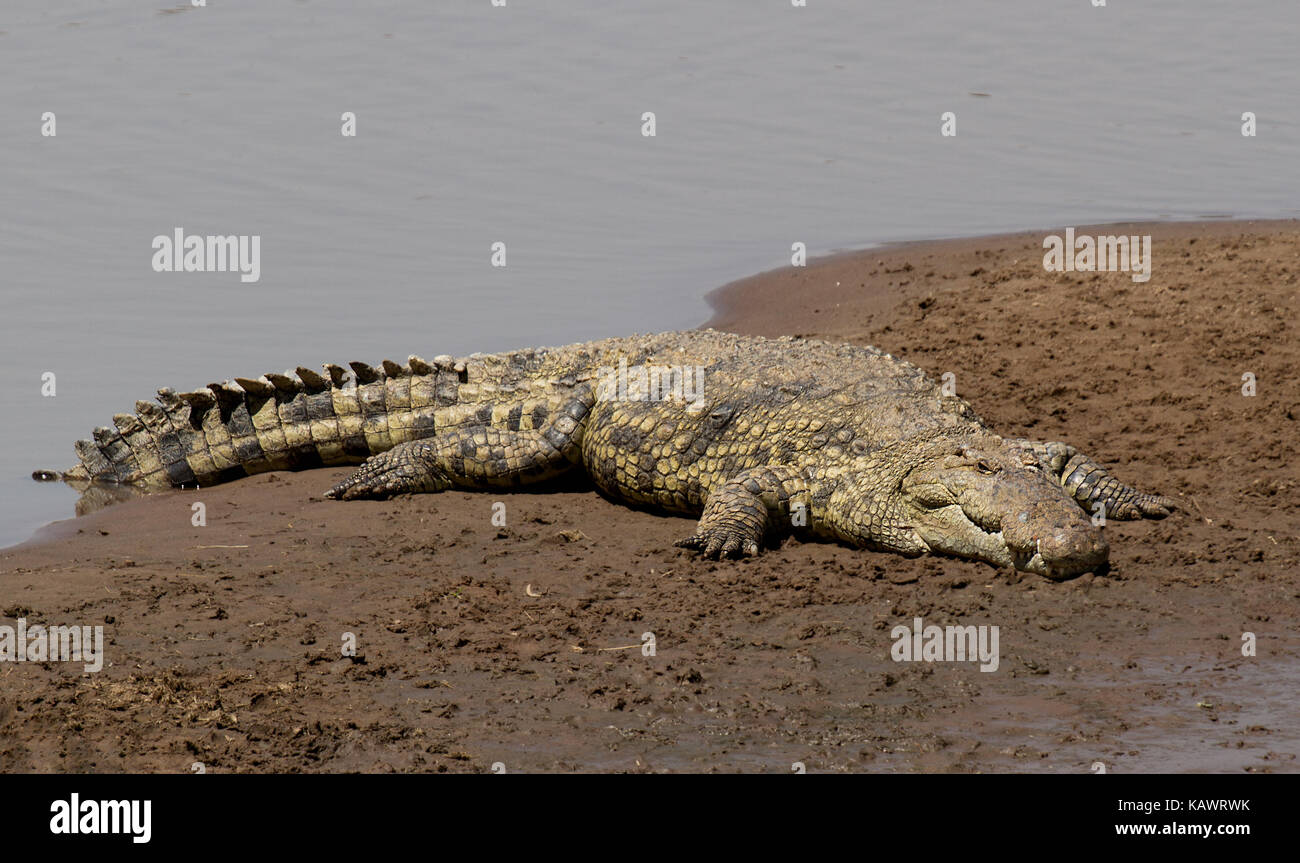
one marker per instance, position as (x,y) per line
(478,456)
(738,512)
(1091,484)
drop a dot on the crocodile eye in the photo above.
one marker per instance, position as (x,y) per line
(984,467)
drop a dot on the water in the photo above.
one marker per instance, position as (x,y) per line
(523,125)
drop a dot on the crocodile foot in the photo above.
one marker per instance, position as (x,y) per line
(733,523)
(720,541)
(408,468)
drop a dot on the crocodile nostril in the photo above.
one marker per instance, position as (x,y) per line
(1074,550)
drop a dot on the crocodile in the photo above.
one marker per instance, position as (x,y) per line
(759,438)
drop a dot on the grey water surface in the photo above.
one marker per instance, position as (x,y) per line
(522,124)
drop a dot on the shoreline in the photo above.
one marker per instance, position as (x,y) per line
(737,302)
(481,643)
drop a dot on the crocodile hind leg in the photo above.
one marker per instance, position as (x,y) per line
(474,456)
(1091,484)
(738,512)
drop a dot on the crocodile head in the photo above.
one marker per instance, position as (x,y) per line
(979,498)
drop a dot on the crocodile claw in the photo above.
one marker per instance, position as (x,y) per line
(719,543)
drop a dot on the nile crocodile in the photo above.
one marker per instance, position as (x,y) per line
(759,438)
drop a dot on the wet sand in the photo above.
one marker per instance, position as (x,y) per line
(521,644)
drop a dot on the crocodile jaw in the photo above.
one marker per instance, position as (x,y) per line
(949,531)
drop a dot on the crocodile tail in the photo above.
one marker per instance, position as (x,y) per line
(291,421)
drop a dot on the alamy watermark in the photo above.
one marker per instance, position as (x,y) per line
(1106,253)
(133,818)
(211,254)
(920,643)
(37,643)
(650,383)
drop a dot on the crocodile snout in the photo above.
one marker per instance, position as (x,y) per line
(1056,539)
(1067,553)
